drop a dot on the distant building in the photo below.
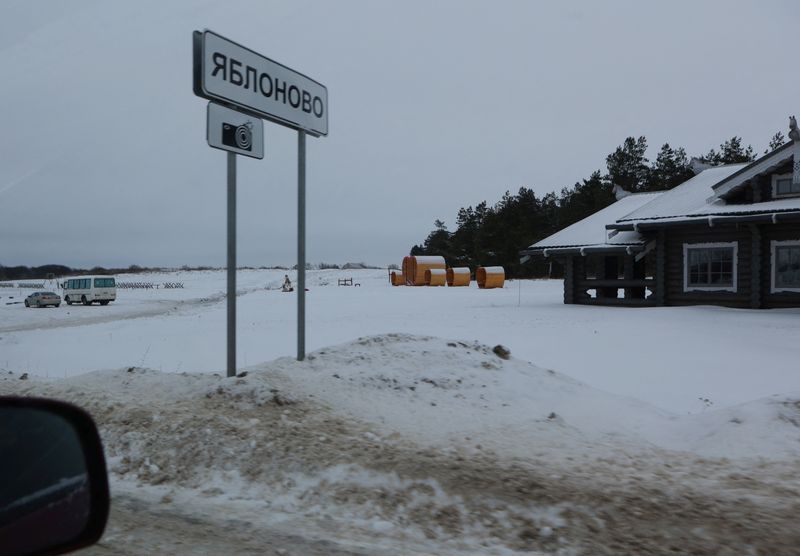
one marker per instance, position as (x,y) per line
(729,236)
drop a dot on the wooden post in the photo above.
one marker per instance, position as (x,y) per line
(639,273)
(627,274)
(755,267)
(569,280)
(579,274)
(609,271)
(661,269)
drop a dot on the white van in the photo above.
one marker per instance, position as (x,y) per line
(88,289)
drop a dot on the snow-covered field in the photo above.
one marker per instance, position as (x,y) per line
(669,357)
(406,431)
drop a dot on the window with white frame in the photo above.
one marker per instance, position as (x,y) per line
(782,186)
(709,266)
(785,266)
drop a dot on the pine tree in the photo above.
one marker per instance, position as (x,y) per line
(585,198)
(493,235)
(627,165)
(730,152)
(778,140)
(438,241)
(671,168)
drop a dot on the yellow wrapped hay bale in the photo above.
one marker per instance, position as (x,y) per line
(398,279)
(458,276)
(414,268)
(490,277)
(435,277)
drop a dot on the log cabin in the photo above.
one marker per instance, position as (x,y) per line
(729,236)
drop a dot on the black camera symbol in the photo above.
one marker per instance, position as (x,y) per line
(239,136)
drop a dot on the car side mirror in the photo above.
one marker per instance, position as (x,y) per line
(53,480)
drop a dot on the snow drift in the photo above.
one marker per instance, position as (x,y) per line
(445,446)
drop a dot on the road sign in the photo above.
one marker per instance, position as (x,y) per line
(234,131)
(228,72)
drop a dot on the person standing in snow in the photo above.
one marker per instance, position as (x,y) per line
(287,284)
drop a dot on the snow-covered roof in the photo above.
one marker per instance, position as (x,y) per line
(591,231)
(766,163)
(696,198)
(687,198)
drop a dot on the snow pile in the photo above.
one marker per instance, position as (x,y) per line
(443,445)
(768,428)
(248,441)
(403,383)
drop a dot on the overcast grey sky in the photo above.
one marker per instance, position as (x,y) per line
(433,106)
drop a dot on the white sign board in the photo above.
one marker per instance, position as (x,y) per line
(229,72)
(234,131)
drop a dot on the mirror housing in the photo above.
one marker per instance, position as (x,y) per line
(54,494)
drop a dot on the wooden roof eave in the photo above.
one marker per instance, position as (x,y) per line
(707,220)
(582,250)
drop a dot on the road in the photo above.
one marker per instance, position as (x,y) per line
(138,527)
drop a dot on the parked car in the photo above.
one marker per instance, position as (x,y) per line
(42,299)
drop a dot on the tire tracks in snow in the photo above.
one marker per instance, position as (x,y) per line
(163,307)
(138,527)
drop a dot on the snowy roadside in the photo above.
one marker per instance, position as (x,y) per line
(200,289)
(724,357)
(404,444)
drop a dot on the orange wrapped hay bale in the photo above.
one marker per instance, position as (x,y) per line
(398,279)
(435,277)
(414,268)
(490,277)
(458,276)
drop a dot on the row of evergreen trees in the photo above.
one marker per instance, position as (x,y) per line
(59,271)
(493,235)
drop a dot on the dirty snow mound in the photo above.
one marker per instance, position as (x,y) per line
(438,446)
(476,394)
(403,383)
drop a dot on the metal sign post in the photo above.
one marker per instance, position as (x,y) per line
(231,264)
(301,245)
(225,71)
(243,134)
